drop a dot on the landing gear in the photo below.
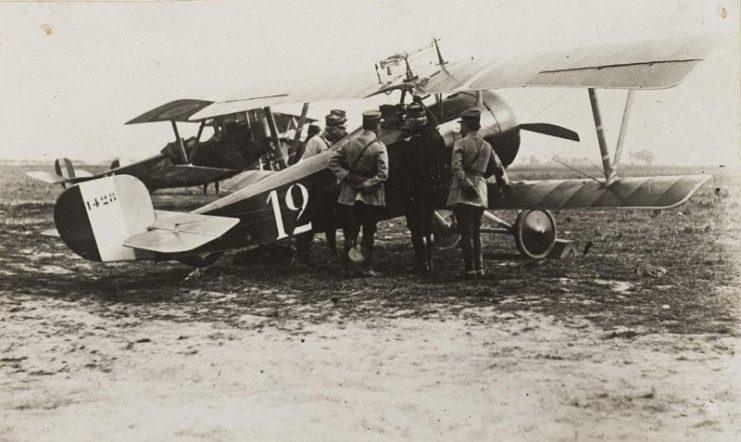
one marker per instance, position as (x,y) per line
(535,233)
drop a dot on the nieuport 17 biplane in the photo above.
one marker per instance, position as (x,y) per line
(112,218)
(239,142)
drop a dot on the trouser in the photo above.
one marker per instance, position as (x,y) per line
(353,218)
(419,221)
(469,225)
(304,240)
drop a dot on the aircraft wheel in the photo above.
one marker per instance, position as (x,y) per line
(535,233)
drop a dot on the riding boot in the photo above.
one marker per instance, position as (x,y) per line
(478,256)
(331,236)
(420,261)
(467,244)
(428,251)
(346,263)
(367,269)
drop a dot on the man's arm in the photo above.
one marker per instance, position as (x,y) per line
(382,168)
(457,165)
(337,163)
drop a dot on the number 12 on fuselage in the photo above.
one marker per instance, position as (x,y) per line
(274,200)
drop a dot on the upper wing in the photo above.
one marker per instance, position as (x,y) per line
(178,110)
(650,64)
(298,90)
(661,192)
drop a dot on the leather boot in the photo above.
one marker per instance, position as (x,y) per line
(420,255)
(367,269)
(478,256)
(346,263)
(428,252)
(468,254)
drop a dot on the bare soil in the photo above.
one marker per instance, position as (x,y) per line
(636,339)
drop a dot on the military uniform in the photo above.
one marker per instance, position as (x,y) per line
(323,206)
(361,167)
(317,144)
(426,173)
(468,193)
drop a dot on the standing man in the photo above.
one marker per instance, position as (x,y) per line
(425,168)
(317,144)
(468,193)
(361,167)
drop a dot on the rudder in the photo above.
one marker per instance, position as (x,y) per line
(94,218)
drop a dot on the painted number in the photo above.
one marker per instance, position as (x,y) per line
(100,200)
(291,204)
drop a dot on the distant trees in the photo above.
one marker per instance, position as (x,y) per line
(645,156)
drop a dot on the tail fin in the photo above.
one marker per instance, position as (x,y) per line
(64,168)
(95,217)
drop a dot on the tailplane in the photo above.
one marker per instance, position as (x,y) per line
(64,173)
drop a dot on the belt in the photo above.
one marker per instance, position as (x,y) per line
(473,172)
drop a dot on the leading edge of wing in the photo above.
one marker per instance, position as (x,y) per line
(648,64)
(657,192)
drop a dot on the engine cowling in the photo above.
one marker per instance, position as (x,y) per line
(498,122)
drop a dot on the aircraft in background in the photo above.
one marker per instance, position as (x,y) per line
(112,218)
(255,139)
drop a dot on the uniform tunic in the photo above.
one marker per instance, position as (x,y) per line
(316,145)
(372,165)
(471,155)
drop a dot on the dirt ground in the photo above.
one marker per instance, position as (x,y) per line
(635,340)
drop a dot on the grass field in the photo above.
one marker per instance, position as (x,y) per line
(634,339)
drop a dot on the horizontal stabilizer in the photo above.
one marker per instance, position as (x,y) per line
(660,192)
(177,232)
(52,178)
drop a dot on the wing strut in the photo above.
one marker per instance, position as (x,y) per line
(610,168)
(300,127)
(275,138)
(606,165)
(179,141)
(623,130)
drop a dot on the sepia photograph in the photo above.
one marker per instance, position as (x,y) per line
(388,220)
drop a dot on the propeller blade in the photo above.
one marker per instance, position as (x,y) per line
(551,129)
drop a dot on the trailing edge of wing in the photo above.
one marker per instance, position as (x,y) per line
(659,192)
(177,232)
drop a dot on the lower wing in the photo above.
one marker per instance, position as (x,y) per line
(657,192)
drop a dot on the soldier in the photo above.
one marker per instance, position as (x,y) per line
(314,129)
(425,171)
(320,143)
(468,193)
(314,146)
(361,167)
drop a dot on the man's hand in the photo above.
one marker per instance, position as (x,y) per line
(368,186)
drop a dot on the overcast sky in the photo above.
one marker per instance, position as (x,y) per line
(73,73)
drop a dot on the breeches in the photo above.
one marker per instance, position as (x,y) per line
(357,216)
(469,224)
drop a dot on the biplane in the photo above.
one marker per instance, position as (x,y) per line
(112,218)
(246,140)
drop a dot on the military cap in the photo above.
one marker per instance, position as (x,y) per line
(332,120)
(340,113)
(472,115)
(372,116)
